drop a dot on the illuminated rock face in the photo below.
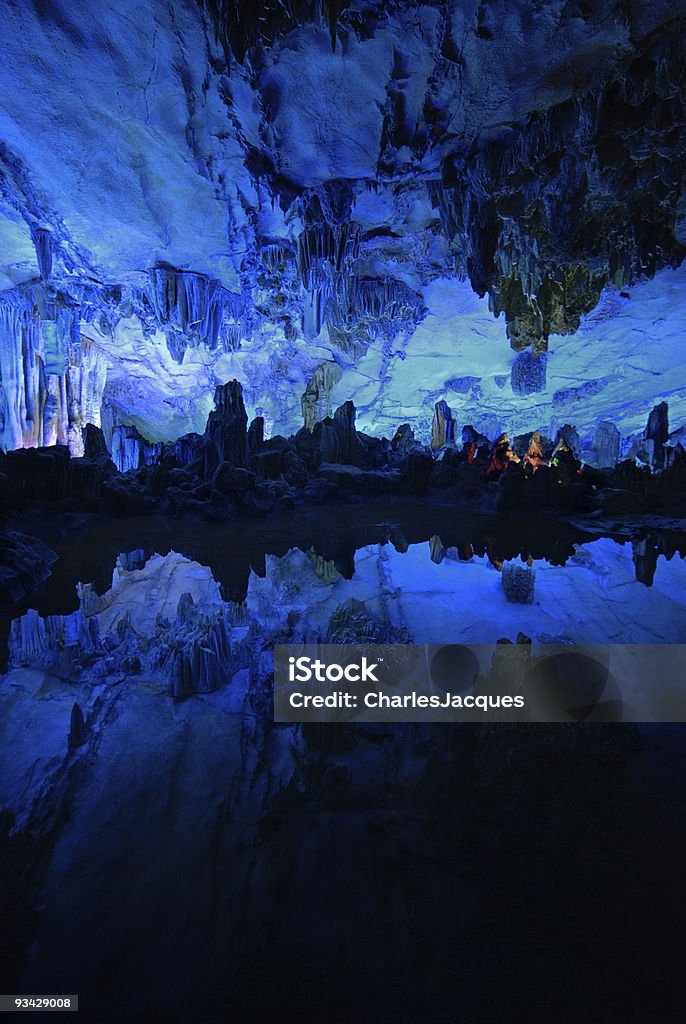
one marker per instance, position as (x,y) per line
(330,202)
(52,379)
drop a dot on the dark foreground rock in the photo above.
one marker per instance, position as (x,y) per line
(24,564)
(232,470)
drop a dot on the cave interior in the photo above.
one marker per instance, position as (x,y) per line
(354,321)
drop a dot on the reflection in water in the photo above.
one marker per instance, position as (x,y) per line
(192,858)
(188,605)
(335,535)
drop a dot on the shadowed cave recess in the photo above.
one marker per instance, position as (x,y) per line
(339,322)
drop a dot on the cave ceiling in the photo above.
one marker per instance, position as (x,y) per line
(266,189)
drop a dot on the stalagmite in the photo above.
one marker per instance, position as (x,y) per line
(657,432)
(226,430)
(443,426)
(606,445)
(316,401)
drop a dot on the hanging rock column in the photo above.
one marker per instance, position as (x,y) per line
(52,378)
(528,373)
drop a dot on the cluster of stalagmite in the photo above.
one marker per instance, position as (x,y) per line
(233,469)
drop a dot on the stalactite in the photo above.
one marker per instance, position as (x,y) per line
(194,310)
(126,447)
(232,336)
(372,308)
(276,257)
(314,308)
(43,242)
(51,380)
(325,261)
(544,216)
(20,371)
(130,450)
(388,303)
(338,246)
(241,25)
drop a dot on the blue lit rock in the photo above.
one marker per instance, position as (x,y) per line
(606,444)
(335,221)
(234,227)
(529,373)
(518,584)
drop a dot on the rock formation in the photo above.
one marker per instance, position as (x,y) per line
(213,245)
(606,445)
(226,429)
(408,278)
(443,427)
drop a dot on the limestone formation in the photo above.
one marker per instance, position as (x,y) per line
(226,430)
(528,373)
(606,445)
(567,437)
(443,427)
(316,401)
(518,583)
(657,432)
